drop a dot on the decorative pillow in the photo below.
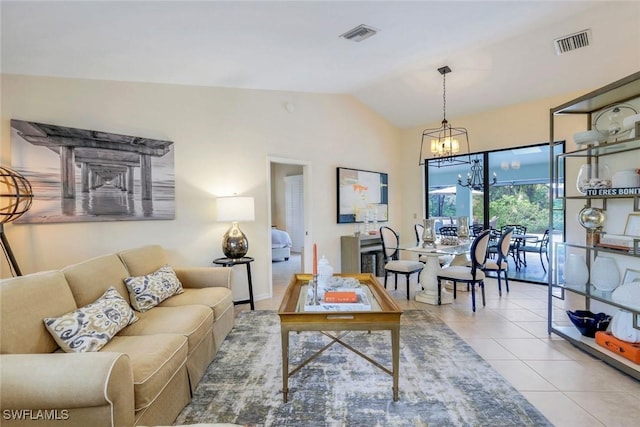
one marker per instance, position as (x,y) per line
(91,327)
(148,291)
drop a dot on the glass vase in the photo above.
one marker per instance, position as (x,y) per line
(429,233)
(605,275)
(576,272)
(463,227)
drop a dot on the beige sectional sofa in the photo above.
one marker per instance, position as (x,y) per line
(144,375)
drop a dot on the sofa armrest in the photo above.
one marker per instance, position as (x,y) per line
(74,383)
(205,277)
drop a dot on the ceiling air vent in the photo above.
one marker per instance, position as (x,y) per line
(572,42)
(359,33)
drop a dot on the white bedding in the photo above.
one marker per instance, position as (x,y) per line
(280,245)
(280,239)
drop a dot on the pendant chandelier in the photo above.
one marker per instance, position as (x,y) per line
(445,142)
(475,178)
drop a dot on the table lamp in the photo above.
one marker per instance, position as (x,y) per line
(235,209)
(15,199)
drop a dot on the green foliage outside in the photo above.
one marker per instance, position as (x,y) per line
(522,204)
(526,204)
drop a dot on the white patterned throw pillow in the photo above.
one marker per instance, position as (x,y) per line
(148,291)
(91,327)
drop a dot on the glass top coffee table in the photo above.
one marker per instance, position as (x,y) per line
(375,310)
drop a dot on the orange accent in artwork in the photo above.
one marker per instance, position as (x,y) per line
(360,188)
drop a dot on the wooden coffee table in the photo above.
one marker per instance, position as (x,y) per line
(383,315)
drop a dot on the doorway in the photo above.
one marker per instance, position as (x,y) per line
(288,200)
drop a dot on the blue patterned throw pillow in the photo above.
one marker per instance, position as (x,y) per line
(91,327)
(148,291)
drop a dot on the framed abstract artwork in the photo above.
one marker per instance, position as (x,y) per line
(80,175)
(362,196)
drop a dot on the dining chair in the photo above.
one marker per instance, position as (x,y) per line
(493,222)
(390,244)
(476,229)
(501,265)
(448,230)
(540,246)
(517,240)
(473,275)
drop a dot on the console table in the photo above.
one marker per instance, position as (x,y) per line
(352,249)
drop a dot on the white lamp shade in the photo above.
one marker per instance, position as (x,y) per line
(235,209)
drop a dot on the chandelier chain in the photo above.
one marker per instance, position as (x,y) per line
(444,97)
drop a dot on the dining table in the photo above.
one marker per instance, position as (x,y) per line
(428,278)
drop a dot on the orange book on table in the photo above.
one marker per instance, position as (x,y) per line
(340,296)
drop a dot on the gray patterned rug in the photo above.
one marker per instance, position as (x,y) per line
(443,381)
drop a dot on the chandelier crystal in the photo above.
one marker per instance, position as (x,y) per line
(445,141)
(475,178)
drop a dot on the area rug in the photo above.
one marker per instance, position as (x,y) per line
(443,381)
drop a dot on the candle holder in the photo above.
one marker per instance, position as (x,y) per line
(429,233)
(314,286)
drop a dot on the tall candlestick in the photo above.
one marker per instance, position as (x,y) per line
(315,259)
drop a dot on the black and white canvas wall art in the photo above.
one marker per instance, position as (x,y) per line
(80,175)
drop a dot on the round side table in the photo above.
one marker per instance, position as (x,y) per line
(230,262)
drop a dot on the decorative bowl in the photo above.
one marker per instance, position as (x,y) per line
(589,323)
(626,178)
(592,177)
(591,218)
(630,121)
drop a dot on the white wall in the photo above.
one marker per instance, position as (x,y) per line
(223,138)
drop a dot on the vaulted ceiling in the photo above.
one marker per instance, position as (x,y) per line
(500,52)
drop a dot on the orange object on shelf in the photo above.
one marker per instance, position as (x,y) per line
(340,296)
(628,350)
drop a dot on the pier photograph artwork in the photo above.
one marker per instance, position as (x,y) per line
(80,175)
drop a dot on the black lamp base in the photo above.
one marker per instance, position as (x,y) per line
(11,259)
(234,243)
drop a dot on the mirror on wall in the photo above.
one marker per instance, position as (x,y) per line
(496,189)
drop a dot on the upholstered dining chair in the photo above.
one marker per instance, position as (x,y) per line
(419,228)
(540,246)
(517,240)
(390,243)
(500,265)
(473,275)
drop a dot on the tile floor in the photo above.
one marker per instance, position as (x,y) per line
(568,386)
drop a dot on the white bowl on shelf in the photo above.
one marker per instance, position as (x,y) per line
(630,122)
(590,137)
(626,178)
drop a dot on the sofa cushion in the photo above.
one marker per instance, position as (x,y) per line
(143,260)
(91,327)
(150,290)
(24,302)
(193,322)
(90,279)
(155,359)
(218,299)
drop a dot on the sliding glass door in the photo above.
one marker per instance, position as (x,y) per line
(507,187)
